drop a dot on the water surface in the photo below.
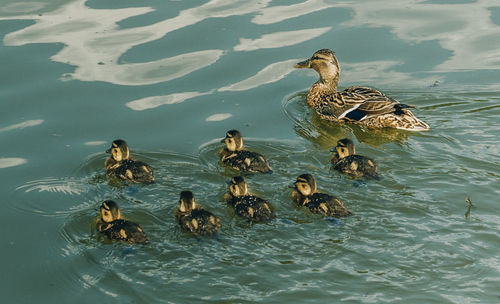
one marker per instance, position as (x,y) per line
(171,77)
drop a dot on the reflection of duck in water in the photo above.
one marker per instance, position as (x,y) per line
(347,161)
(305,194)
(246,204)
(121,165)
(237,157)
(114,227)
(325,134)
(355,104)
(193,218)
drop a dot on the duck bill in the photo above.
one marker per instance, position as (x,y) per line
(303,64)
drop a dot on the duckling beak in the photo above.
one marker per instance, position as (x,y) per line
(303,64)
(334,149)
(108,151)
(223,140)
(228,182)
(292,186)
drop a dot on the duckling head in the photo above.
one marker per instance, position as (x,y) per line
(186,202)
(119,150)
(238,186)
(344,148)
(110,211)
(233,140)
(326,64)
(305,184)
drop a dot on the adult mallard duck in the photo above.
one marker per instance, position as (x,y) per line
(347,161)
(245,204)
(111,224)
(355,104)
(121,165)
(237,157)
(305,194)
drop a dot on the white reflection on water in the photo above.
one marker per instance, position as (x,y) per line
(156,101)
(276,14)
(269,74)
(21,7)
(280,39)
(22,125)
(11,162)
(465,29)
(382,73)
(218,117)
(94,42)
(65,186)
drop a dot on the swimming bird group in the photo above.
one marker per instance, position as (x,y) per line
(358,105)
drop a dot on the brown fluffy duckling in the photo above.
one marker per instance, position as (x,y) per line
(121,165)
(114,227)
(347,161)
(237,157)
(193,218)
(245,204)
(305,194)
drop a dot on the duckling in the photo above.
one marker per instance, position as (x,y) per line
(246,204)
(193,218)
(347,161)
(304,194)
(237,157)
(121,165)
(114,227)
(355,104)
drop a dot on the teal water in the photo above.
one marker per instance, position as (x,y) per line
(171,77)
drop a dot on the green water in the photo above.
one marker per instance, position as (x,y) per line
(171,77)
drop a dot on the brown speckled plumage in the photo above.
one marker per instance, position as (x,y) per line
(355,104)
(247,205)
(305,194)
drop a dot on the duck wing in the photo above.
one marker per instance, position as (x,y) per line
(367,101)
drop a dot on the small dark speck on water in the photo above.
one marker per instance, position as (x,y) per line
(435,84)
(467,213)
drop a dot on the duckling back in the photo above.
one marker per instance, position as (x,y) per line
(199,221)
(132,170)
(123,230)
(327,205)
(253,208)
(245,161)
(355,166)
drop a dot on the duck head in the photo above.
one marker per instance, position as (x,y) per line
(119,150)
(305,184)
(233,140)
(110,211)
(326,64)
(238,186)
(186,202)
(344,148)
